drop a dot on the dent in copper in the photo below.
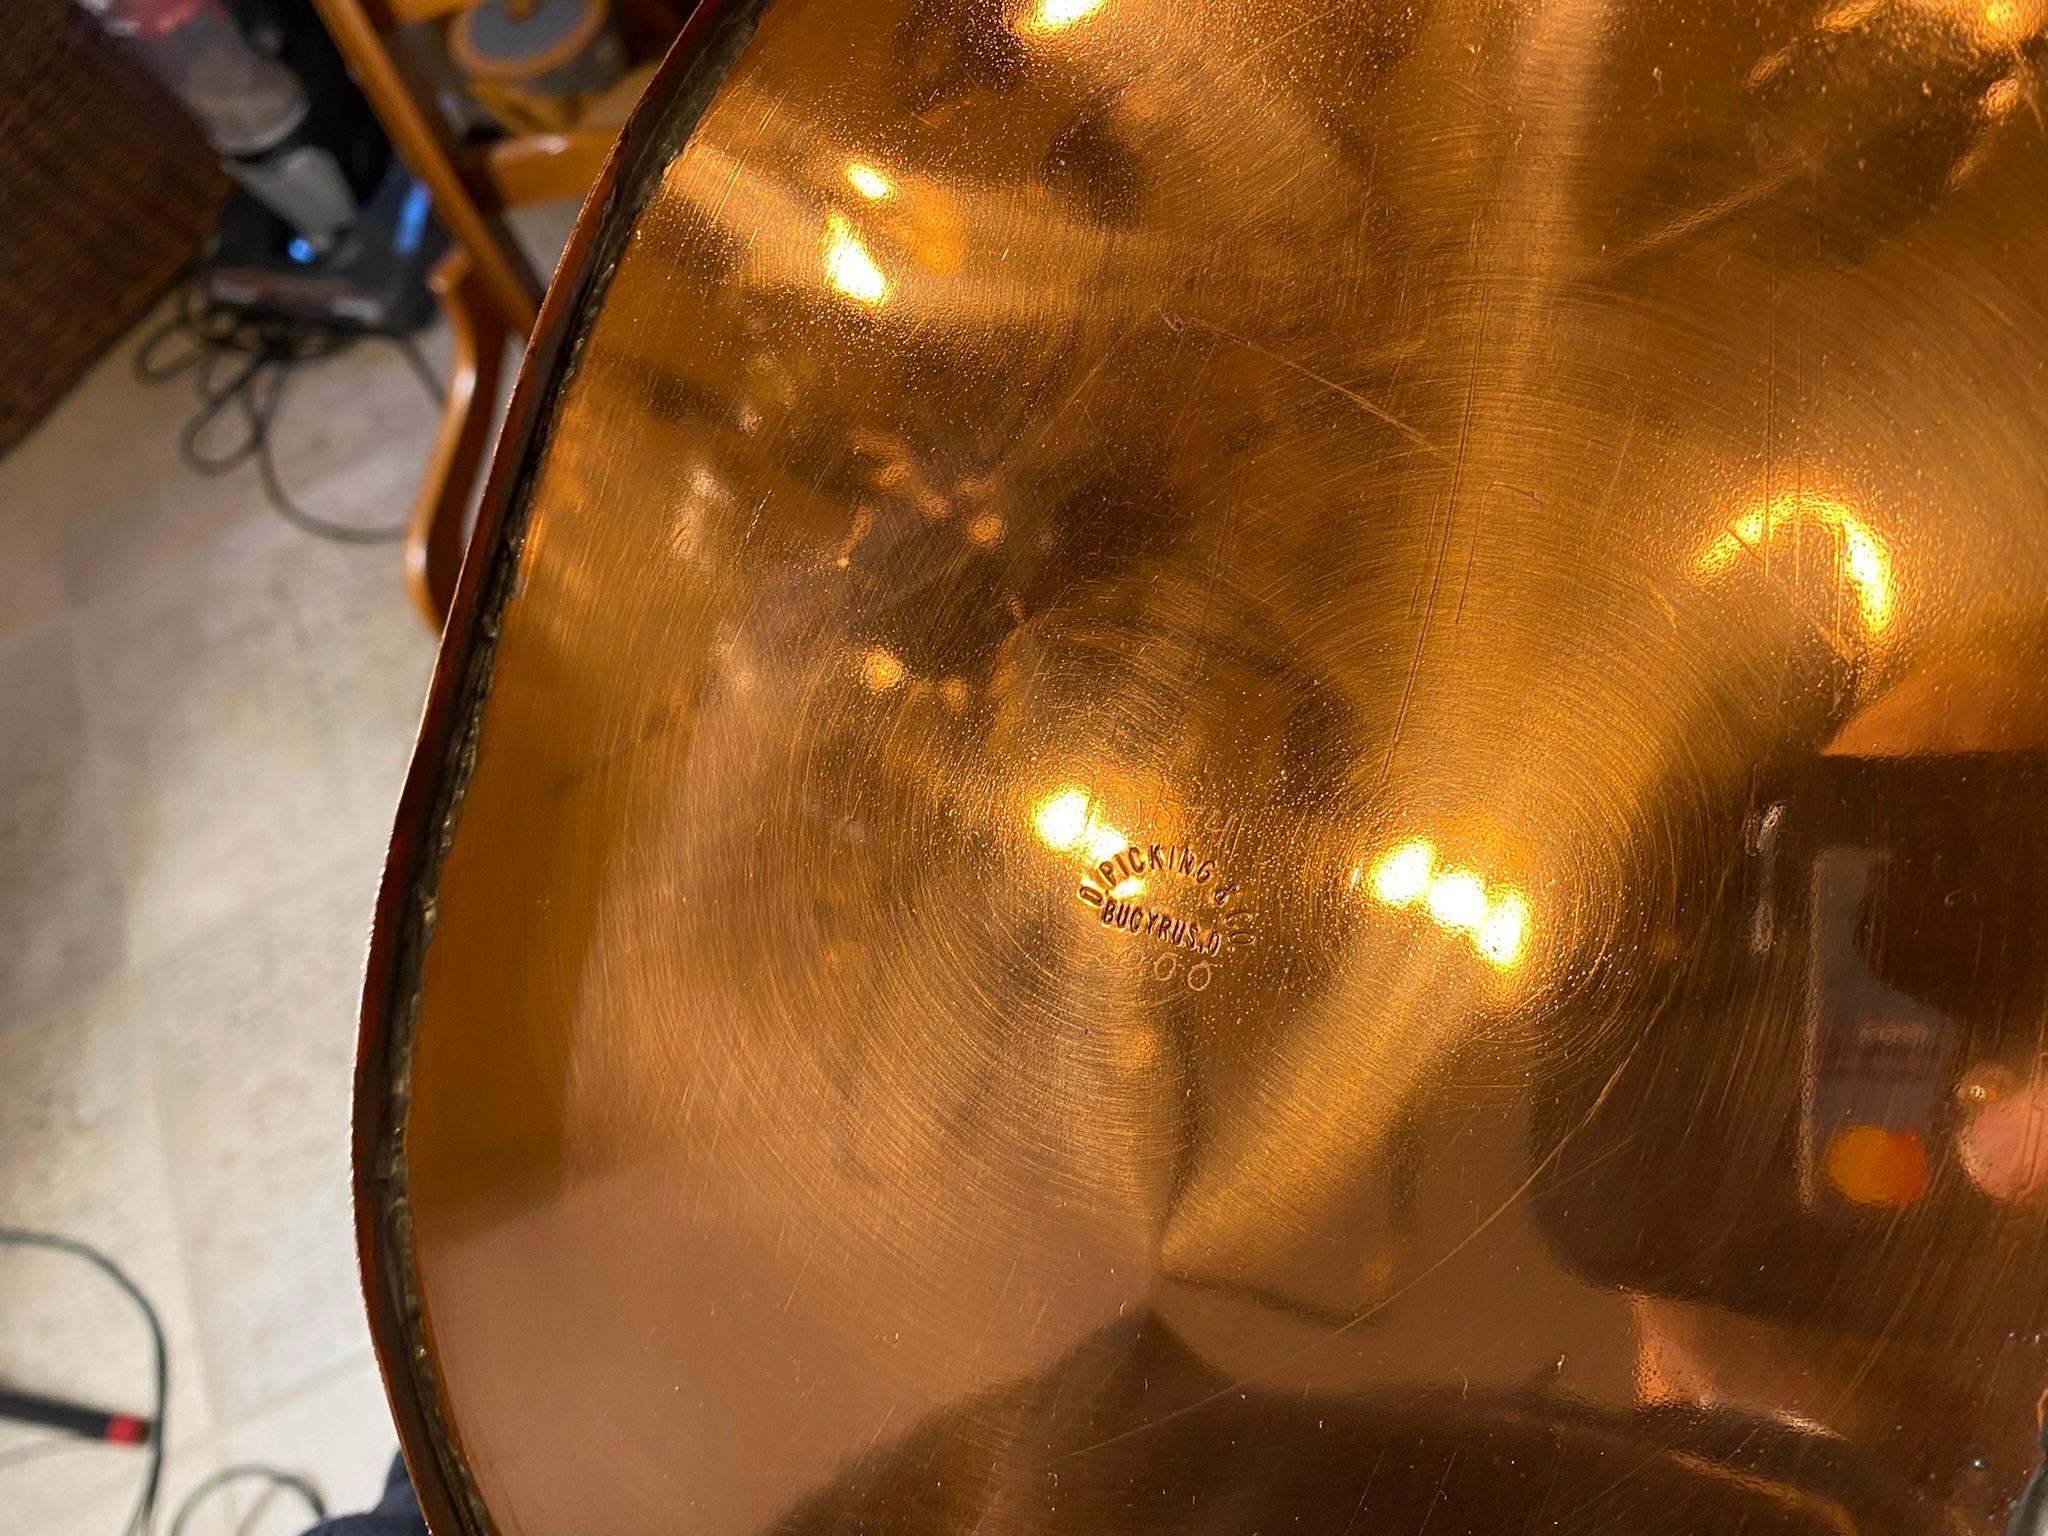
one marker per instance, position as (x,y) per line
(1269,767)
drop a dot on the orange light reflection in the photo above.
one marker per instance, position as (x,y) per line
(1866,564)
(848,266)
(1496,921)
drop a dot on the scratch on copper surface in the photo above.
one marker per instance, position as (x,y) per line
(1901,1305)
(1772,579)
(1622,1480)
(1370,407)
(1415,658)
(875,1439)
(1442,551)
(1313,18)
(802,1270)
(1465,415)
(1076,392)
(1826,1508)
(754,519)
(1225,524)
(738,167)
(1619,1147)
(1628,437)
(1176,431)
(731,182)
(1695,222)
(1770,382)
(1450,1463)
(989,1321)
(1365,1492)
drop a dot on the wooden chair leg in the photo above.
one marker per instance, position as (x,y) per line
(401,100)
(477,332)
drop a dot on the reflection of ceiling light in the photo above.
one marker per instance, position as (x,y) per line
(1053,15)
(1403,875)
(1455,899)
(1062,819)
(1865,564)
(1065,822)
(1998,23)
(1505,930)
(1105,843)
(1458,900)
(868,182)
(848,267)
(880,670)
(2002,21)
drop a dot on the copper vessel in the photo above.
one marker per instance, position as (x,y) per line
(1259,767)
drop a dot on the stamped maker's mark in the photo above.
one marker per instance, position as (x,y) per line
(1175,895)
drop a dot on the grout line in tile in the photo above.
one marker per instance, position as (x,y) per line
(94,773)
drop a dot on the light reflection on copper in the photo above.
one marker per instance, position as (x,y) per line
(1987,23)
(1870,1165)
(1104,842)
(1983,1085)
(881,670)
(1991,23)
(1066,823)
(1505,931)
(1403,875)
(1062,819)
(1865,562)
(1455,899)
(848,266)
(868,182)
(1058,15)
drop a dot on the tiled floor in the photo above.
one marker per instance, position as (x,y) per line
(204,717)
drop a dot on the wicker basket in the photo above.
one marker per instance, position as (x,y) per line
(107,192)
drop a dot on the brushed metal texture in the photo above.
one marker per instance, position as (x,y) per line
(1273,767)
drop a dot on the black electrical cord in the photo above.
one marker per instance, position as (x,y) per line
(145,1499)
(242,363)
(142,1519)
